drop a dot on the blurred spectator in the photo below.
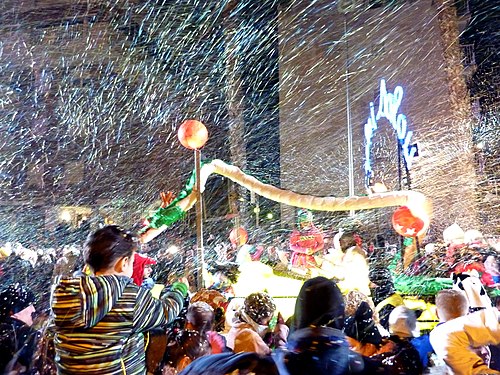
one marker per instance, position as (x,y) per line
(142,271)
(251,324)
(384,294)
(459,350)
(360,326)
(317,345)
(18,340)
(397,355)
(100,320)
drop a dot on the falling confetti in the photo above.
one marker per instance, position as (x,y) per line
(92,94)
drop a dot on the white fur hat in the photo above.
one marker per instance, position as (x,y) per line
(403,322)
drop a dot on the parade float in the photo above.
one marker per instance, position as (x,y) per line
(420,273)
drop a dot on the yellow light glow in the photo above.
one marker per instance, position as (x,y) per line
(65,215)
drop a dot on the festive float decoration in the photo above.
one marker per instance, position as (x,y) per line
(192,134)
(405,223)
(238,236)
(388,108)
(417,203)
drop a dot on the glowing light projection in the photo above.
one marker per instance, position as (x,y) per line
(388,108)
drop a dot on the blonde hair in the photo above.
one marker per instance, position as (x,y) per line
(451,304)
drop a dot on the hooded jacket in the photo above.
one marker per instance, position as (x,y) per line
(99,323)
(140,262)
(319,303)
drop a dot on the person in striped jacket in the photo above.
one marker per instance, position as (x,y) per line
(100,320)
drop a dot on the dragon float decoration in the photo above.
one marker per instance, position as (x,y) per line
(414,202)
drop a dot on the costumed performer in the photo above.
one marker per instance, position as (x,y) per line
(305,241)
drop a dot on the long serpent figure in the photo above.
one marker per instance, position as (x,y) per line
(419,205)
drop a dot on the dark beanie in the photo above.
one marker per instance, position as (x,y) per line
(319,303)
(14,299)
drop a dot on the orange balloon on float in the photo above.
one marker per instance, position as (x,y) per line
(192,134)
(238,236)
(405,223)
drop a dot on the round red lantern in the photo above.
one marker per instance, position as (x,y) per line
(405,223)
(238,236)
(192,134)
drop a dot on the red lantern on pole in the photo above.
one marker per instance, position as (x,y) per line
(405,223)
(238,236)
(192,134)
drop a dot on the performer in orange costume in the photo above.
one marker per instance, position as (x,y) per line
(305,241)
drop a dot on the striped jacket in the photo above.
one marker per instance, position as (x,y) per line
(99,323)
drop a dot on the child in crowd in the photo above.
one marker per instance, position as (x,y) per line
(460,338)
(251,325)
(100,320)
(142,271)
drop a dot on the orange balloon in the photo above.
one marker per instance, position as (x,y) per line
(405,223)
(238,236)
(192,134)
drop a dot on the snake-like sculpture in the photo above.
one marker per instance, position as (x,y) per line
(419,205)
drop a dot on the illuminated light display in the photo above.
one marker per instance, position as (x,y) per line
(388,108)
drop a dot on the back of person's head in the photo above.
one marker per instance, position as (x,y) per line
(260,307)
(201,316)
(403,322)
(315,351)
(108,244)
(188,346)
(217,301)
(451,304)
(319,303)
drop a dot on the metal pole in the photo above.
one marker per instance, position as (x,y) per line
(199,221)
(400,172)
(349,125)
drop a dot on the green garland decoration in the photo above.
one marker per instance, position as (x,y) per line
(421,285)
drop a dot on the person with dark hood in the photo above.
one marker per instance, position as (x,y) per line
(317,345)
(384,294)
(100,320)
(319,303)
(18,340)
